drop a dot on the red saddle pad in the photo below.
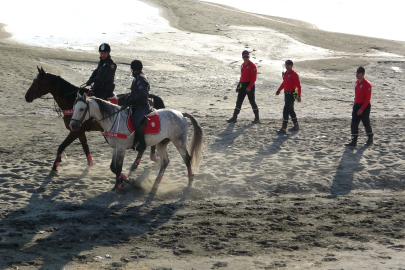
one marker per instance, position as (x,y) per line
(152,123)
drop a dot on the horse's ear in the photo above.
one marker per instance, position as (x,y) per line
(39,71)
(42,70)
(78,94)
(85,96)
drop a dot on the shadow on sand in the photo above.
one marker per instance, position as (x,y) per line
(48,233)
(228,136)
(349,164)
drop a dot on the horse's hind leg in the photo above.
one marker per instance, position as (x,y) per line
(136,163)
(83,141)
(164,160)
(69,139)
(153,152)
(181,146)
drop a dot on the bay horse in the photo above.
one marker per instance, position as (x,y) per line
(166,125)
(64,94)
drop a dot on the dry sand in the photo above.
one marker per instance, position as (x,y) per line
(260,201)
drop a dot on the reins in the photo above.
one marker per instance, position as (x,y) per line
(88,109)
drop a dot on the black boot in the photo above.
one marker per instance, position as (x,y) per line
(282,130)
(135,140)
(296,127)
(141,140)
(234,117)
(353,142)
(370,140)
(256,120)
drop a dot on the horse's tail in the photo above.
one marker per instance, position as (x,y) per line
(158,102)
(196,145)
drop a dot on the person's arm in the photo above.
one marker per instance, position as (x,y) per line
(253,77)
(139,89)
(298,84)
(108,74)
(281,87)
(91,79)
(367,99)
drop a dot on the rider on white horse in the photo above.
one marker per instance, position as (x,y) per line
(139,101)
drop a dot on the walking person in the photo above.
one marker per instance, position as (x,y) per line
(292,91)
(246,86)
(103,76)
(361,108)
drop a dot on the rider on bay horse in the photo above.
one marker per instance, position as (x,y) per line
(139,101)
(103,76)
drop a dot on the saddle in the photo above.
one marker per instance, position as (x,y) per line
(150,124)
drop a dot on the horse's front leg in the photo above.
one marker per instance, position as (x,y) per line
(83,141)
(69,139)
(116,167)
(136,163)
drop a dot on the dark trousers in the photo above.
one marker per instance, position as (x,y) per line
(242,94)
(364,117)
(138,114)
(289,108)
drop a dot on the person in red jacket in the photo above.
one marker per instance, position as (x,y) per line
(361,108)
(246,86)
(292,91)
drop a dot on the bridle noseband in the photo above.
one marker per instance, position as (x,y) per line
(84,114)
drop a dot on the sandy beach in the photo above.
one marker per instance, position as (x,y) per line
(259,200)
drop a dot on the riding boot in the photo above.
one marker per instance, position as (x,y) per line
(256,120)
(235,115)
(370,140)
(296,126)
(353,142)
(135,140)
(141,140)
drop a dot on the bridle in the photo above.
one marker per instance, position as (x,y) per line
(84,114)
(88,110)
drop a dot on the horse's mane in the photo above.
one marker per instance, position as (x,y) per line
(106,108)
(65,87)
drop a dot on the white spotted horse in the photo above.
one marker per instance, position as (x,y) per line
(162,126)
(64,95)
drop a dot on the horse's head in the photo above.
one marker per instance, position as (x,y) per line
(81,112)
(40,86)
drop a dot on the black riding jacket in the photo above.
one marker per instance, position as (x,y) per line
(103,75)
(139,90)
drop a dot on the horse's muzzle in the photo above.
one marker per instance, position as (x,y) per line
(29,98)
(74,125)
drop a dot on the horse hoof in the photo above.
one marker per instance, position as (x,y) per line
(53,173)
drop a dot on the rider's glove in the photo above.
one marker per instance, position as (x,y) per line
(238,87)
(89,82)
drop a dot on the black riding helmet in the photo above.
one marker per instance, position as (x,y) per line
(104,48)
(136,65)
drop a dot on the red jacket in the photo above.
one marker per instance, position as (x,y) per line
(362,93)
(248,73)
(291,81)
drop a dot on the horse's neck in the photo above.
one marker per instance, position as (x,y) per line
(64,102)
(95,112)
